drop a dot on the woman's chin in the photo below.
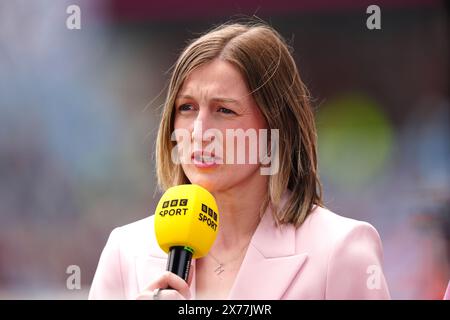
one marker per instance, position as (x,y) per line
(220,181)
(208,184)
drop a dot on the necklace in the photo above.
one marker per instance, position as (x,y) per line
(221,265)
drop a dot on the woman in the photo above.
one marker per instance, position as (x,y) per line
(276,240)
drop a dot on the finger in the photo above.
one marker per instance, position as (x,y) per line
(190,276)
(169,279)
(169,294)
(164,294)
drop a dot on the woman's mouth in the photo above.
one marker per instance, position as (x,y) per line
(202,159)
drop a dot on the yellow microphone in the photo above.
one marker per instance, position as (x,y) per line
(186,225)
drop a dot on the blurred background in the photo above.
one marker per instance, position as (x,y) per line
(79,111)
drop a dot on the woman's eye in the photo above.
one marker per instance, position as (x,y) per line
(226,111)
(185,107)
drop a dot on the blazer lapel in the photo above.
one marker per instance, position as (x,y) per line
(150,263)
(148,269)
(270,264)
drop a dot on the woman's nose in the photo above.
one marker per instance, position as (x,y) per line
(201,124)
(197,131)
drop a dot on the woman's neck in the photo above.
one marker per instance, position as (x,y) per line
(239,209)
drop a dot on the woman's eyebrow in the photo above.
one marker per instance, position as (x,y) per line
(227,100)
(185,96)
(215,99)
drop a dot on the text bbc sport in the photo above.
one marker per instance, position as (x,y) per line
(208,215)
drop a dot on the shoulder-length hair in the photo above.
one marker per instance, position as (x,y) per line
(265,61)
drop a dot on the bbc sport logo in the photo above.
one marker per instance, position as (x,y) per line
(175,203)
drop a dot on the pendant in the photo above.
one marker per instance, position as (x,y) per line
(219,269)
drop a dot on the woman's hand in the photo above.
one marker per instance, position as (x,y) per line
(179,289)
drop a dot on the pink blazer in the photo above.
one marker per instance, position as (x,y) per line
(328,257)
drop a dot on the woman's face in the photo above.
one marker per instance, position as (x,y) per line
(213,102)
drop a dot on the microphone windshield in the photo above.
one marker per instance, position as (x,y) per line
(187,216)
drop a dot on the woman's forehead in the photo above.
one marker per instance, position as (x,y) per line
(216,78)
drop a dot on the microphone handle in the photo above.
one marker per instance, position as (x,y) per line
(179,261)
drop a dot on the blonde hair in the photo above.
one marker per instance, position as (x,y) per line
(264,60)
